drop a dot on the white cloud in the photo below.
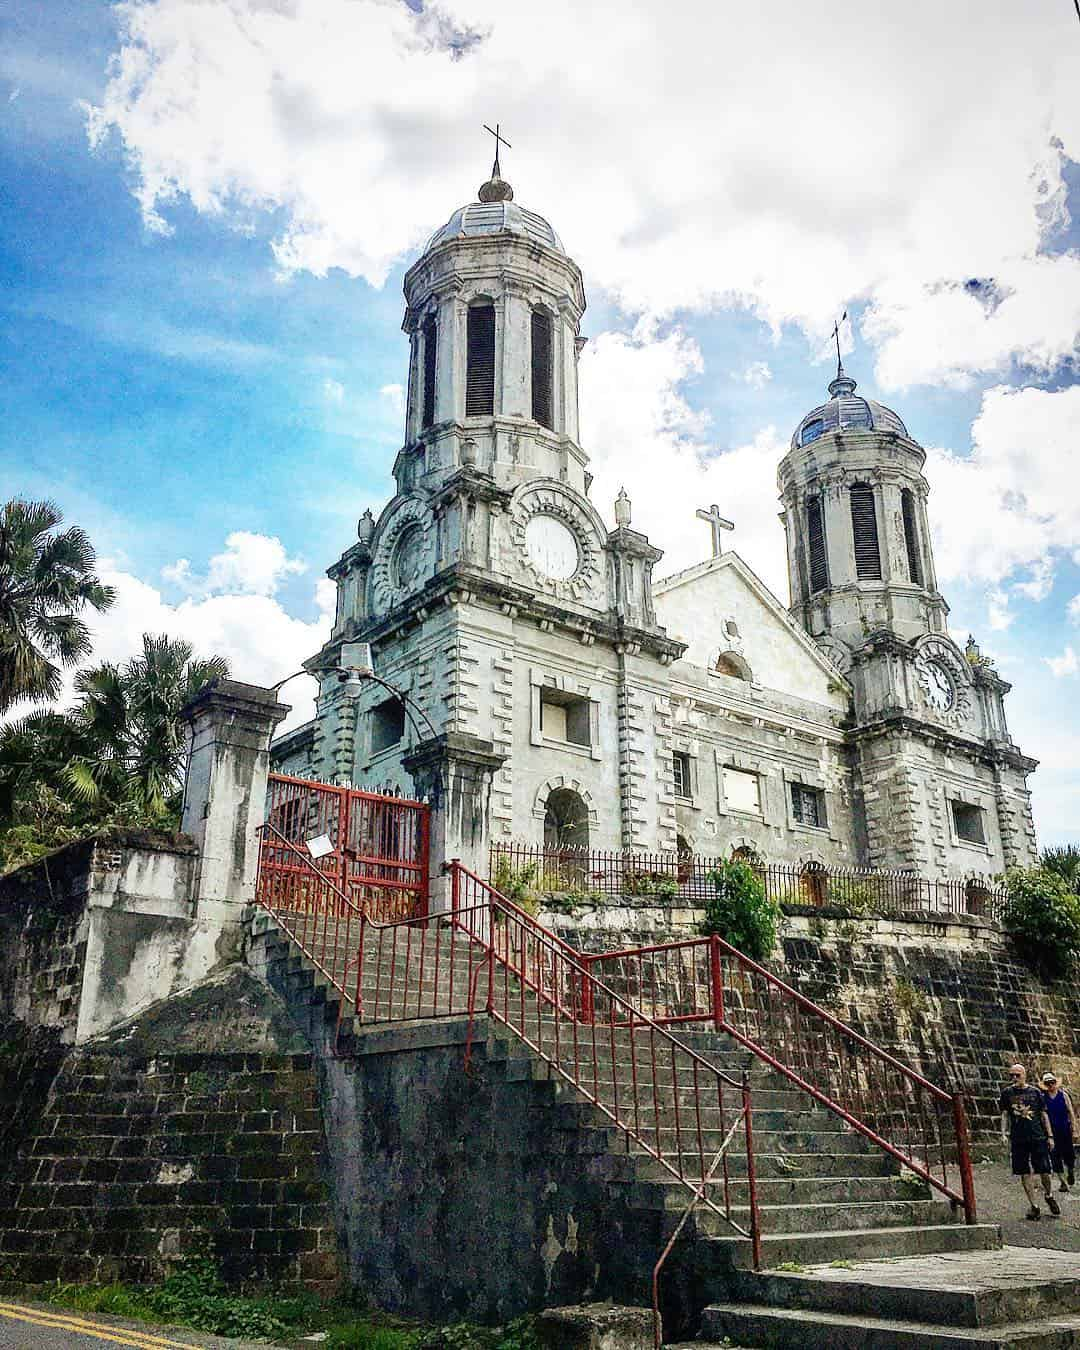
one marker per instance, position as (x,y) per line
(642,434)
(252,564)
(1013,505)
(395,396)
(1065,664)
(333,391)
(999,616)
(779,199)
(757,374)
(1074,609)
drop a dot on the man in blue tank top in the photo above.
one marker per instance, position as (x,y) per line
(1059,1109)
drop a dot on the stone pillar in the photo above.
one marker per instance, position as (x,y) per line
(225,790)
(454,773)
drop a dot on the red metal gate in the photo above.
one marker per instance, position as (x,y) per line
(372,846)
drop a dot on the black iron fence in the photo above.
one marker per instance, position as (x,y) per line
(687,878)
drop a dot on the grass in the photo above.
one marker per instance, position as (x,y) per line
(194,1296)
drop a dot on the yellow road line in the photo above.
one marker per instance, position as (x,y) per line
(144,1340)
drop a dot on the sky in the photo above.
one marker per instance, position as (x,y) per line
(207,208)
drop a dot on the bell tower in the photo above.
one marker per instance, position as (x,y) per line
(858,540)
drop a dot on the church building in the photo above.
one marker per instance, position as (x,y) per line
(554,689)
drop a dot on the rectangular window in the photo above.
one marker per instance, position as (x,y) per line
(864,531)
(680,764)
(541,368)
(815,540)
(480,372)
(564,717)
(430,352)
(911,538)
(387,724)
(808,805)
(742,791)
(968,823)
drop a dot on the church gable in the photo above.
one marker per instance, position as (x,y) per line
(735,627)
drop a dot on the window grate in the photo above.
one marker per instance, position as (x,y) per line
(808,805)
(815,533)
(430,333)
(864,530)
(911,539)
(541,368)
(480,375)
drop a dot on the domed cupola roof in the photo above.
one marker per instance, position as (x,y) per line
(496,212)
(846,409)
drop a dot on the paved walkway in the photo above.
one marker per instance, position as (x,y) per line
(38,1326)
(1001,1200)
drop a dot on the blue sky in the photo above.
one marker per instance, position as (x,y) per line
(202,343)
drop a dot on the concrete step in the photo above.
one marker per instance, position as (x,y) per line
(780,1328)
(808,1167)
(722,1254)
(976,1289)
(809,1190)
(827,1217)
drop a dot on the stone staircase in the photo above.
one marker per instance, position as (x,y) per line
(826,1195)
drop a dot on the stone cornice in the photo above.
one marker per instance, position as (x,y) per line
(902,724)
(458,582)
(473,483)
(358,553)
(633,544)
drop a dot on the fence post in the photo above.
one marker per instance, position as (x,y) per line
(963,1157)
(360,969)
(716,979)
(491,956)
(751,1175)
(455,886)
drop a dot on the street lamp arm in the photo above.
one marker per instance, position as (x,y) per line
(407,702)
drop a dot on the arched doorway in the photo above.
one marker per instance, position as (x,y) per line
(814,884)
(566,820)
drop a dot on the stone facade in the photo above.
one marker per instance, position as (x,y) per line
(554,691)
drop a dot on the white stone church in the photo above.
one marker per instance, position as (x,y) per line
(556,690)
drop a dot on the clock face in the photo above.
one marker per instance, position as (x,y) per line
(937,686)
(552,547)
(407,558)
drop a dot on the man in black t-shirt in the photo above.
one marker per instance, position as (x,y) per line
(1025,1125)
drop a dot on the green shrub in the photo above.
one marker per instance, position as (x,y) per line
(740,912)
(517,884)
(658,884)
(1042,915)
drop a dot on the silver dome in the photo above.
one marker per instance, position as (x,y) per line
(846,409)
(482,218)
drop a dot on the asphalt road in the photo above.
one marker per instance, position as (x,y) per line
(36,1326)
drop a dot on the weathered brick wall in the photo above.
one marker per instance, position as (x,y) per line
(29,1061)
(137,1162)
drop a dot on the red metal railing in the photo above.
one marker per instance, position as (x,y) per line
(668,1099)
(489,955)
(377,845)
(897,1109)
(688,877)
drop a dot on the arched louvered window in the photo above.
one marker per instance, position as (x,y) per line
(864,531)
(480,372)
(542,333)
(815,545)
(430,337)
(911,537)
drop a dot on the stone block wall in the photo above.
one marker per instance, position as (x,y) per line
(953,1000)
(133,1163)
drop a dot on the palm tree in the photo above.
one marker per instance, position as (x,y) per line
(46,581)
(129,718)
(1064,862)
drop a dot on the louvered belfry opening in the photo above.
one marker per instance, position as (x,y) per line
(911,538)
(542,334)
(480,374)
(815,541)
(864,530)
(430,338)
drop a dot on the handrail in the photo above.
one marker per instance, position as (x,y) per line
(596,994)
(720,953)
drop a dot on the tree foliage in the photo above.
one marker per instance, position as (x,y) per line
(1064,862)
(740,912)
(47,582)
(1043,917)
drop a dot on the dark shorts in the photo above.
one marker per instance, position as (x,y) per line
(1030,1156)
(1064,1150)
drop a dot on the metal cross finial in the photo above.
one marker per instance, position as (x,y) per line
(499,140)
(717,523)
(836,338)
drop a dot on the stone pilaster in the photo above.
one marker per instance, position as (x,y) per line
(225,789)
